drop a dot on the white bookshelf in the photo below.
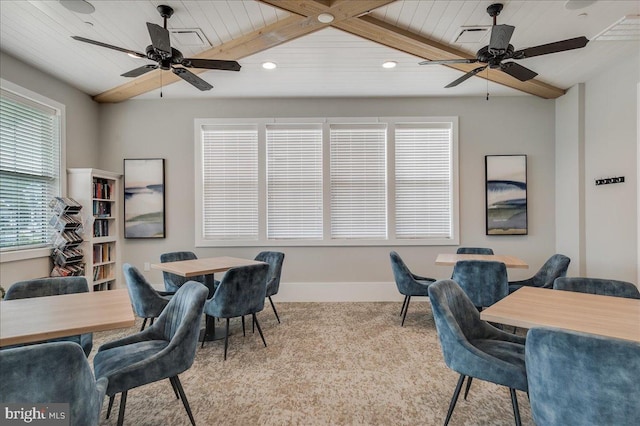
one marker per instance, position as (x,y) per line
(97,191)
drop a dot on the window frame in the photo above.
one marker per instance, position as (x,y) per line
(12,254)
(325,122)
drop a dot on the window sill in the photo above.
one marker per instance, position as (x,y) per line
(17,255)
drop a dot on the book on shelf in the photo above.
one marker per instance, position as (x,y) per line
(101,209)
(101,228)
(64,205)
(102,188)
(68,270)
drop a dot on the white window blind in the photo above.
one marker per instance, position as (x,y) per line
(423,181)
(294,182)
(358,181)
(29,170)
(230,182)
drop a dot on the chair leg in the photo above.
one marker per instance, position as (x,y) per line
(514,403)
(404,302)
(466,391)
(123,403)
(144,323)
(151,323)
(175,390)
(176,383)
(406,309)
(274,309)
(111,398)
(243,333)
(255,320)
(207,329)
(226,339)
(454,399)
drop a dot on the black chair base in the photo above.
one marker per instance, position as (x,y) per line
(274,309)
(226,334)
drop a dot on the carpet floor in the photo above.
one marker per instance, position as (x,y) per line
(325,364)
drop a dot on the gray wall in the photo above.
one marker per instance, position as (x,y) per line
(510,125)
(82,115)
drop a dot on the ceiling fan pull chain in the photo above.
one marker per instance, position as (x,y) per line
(487,83)
(160,83)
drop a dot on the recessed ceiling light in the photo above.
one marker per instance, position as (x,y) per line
(389,64)
(269,65)
(325,18)
(78,6)
(578,4)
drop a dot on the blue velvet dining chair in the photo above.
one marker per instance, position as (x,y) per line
(55,372)
(241,292)
(162,351)
(484,282)
(148,303)
(275,259)
(53,286)
(474,348)
(582,379)
(601,286)
(474,250)
(556,266)
(408,283)
(173,282)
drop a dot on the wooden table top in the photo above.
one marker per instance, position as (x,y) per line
(205,266)
(450,259)
(49,317)
(604,315)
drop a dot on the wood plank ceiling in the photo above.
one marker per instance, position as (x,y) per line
(349,16)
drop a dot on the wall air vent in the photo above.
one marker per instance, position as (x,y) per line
(626,29)
(471,34)
(188,37)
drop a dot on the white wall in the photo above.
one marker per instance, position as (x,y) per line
(514,125)
(611,216)
(81,141)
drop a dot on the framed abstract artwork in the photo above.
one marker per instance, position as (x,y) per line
(144,215)
(506,194)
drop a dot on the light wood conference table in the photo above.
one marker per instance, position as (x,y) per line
(205,266)
(49,317)
(603,315)
(450,259)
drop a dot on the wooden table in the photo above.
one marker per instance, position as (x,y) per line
(49,317)
(450,259)
(604,315)
(205,266)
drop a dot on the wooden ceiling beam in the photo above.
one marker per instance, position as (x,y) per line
(270,36)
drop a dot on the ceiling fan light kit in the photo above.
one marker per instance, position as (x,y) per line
(167,57)
(325,18)
(78,6)
(499,49)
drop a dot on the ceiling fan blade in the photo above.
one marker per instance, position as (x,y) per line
(191,78)
(139,71)
(518,71)
(448,61)
(159,39)
(545,49)
(465,77)
(500,38)
(109,46)
(211,64)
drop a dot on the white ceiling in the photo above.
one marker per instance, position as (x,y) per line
(325,63)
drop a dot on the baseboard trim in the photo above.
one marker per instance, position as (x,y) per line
(339,292)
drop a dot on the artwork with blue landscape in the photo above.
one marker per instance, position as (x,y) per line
(144,198)
(506,177)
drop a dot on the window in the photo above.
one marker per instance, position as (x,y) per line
(30,147)
(293,182)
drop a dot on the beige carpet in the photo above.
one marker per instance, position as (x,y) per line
(325,364)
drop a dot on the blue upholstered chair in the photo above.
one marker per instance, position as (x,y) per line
(53,287)
(556,266)
(162,351)
(56,372)
(474,348)
(582,379)
(241,292)
(599,286)
(173,282)
(484,282)
(148,303)
(275,260)
(474,250)
(408,283)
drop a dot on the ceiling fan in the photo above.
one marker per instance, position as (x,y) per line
(167,57)
(499,50)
